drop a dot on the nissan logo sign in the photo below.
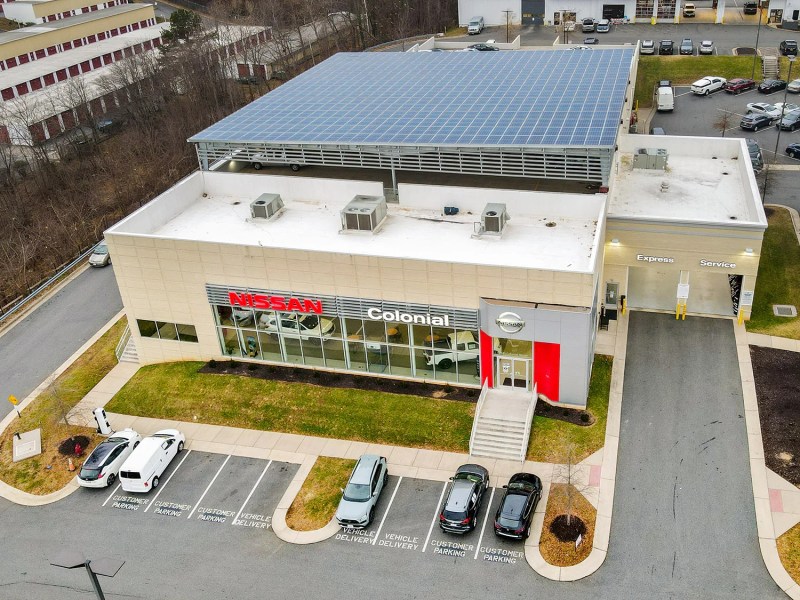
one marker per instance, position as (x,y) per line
(510,322)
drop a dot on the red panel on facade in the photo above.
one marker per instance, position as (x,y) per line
(40,53)
(67,45)
(51,50)
(547,368)
(4,137)
(68,118)
(486,359)
(11,62)
(36,84)
(97,106)
(74,70)
(61,75)
(22,88)
(85,66)
(37,132)
(7,93)
(97,62)
(53,126)
(92,39)
(117,54)
(49,79)
(77,43)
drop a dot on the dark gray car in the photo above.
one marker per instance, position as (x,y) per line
(357,506)
(459,512)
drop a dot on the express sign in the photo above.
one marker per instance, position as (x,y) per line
(268,302)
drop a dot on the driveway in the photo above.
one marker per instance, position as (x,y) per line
(38,344)
(684,524)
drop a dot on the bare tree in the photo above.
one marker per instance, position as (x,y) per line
(724,121)
(567,473)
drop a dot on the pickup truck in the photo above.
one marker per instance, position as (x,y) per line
(455,347)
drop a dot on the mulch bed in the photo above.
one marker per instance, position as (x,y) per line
(564,553)
(379,384)
(777,379)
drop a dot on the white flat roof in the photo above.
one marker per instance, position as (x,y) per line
(62,60)
(706,181)
(540,240)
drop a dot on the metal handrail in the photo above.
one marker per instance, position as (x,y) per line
(528,423)
(47,283)
(123,341)
(481,400)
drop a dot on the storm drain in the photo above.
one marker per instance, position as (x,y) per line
(784,310)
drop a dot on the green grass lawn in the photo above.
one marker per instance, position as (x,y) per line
(179,391)
(550,438)
(32,475)
(778,278)
(789,552)
(316,502)
(683,70)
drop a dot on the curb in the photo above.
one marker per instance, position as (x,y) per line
(605,503)
(279,526)
(758,472)
(11,493)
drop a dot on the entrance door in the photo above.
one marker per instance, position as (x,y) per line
(513,372)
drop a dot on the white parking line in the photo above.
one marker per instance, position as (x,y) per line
(112,494)
(236,518)
(435,516)
(188,452)
(485,520)
(394,493)
(208,487)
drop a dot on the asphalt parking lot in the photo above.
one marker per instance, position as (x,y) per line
(696,115)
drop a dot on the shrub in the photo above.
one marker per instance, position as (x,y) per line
(585,417)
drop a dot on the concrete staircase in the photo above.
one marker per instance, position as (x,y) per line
(502,423)
(129,353)
(769,63)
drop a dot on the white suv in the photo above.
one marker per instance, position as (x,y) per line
(303,327)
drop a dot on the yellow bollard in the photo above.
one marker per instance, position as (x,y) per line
(740,318)
(683,316)
(677,311)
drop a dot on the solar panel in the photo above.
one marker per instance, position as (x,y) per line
(548,97)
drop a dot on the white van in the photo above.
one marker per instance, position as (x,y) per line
(141,470)
(475,25)
(665,99)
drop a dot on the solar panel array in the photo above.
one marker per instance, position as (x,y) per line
(486,99)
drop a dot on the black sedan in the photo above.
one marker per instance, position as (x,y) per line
(755,121)
(484,47)
(793,150)
(770,86)
(515,513)
(459,512)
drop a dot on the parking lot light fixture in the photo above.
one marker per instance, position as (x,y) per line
(73,559)
(780,120)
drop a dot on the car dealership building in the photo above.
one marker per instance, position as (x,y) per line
(461,217)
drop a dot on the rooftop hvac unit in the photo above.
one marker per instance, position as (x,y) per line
(650,158)
(364,213)
(266,206)
(494,218)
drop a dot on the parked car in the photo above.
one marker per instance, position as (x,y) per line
(664,83)
(483,47)
(591,41)
(688,9)
(515,513)
(455,347)
(360,496)
(787,107)
(647,47)
(475,26)
(242,316)
(750,8)
(146,464)
(708,85)
(788,47)
(686,47)
(756,158)
(790,121)
(587,25)
(666,47)
(603,26)
(100,256)
(793,150)
(755,121)
(770,86)
(264,160)
(762,108)
(303,326)
(739,85)
(665,99)
(101,467)
(657,131)
(706,47)
(793,87)
(459,512)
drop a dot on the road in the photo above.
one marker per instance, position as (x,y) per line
(38,344)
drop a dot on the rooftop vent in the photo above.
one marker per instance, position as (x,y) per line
(650,158)
(266,206)
(493,220)
(364,213)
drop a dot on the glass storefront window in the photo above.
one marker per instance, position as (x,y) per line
(422,335)
(294,353)
(400,360)
(167,331)
(250,343)
(421,364)
(270,346)
(377,357)
(469,371)
(312,352)
(354,329)
(336,332)
(265,320)
(243,317)
(374,331)
(223,315)
(334,354)
(230,341)
(397,333)
(358,356)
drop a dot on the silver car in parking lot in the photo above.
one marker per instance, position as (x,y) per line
(357,506)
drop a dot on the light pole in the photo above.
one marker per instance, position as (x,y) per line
(73,559)
(508,18)
(778,139)
(758,33)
